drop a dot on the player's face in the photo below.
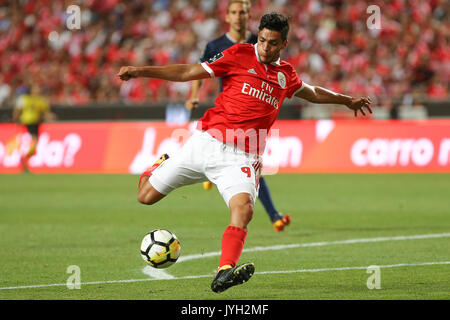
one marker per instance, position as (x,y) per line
(237,16)
(270,44)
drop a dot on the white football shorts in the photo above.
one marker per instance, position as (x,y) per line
(205,158)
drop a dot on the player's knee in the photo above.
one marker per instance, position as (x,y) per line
(145,198)
(247,210)
(242,211)
(149,197)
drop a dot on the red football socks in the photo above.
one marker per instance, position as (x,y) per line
(233,240)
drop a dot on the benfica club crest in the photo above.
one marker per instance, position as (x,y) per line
(282,80)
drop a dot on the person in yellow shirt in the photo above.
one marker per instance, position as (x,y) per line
(31,110)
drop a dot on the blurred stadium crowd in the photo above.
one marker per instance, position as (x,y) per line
(329,44)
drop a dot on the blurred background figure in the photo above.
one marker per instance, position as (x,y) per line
(31,109)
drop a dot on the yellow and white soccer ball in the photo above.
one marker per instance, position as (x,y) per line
(160,248)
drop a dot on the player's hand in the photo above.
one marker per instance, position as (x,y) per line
(359,104)
(192,103)
(126,73)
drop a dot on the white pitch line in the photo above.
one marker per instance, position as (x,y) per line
(260,273)
(357,268)
(318,244)
(165,276)
(154,273)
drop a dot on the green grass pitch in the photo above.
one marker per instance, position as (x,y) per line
(50,222)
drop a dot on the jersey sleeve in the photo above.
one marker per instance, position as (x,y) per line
(295,84)
(208,53)
(221,64)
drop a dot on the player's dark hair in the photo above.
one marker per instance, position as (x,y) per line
(276,22)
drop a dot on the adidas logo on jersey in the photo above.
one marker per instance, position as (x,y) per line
(251,71)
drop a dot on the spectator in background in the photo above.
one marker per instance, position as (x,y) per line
(5,91)
(422,73)
(438,89)
(176,113)
(329,41)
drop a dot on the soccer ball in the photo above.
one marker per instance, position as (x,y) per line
(160,248)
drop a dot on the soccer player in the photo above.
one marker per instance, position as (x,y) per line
(31,110)
(230,138)
(237,16)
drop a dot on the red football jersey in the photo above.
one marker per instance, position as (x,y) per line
(252,95)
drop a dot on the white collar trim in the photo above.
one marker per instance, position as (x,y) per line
(234,41)
(229,38)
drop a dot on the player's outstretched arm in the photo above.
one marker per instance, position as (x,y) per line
(317,94)
(173,72)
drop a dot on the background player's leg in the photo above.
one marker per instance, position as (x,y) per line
(33,144)
(266,199)
(207,185)
(278,220)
